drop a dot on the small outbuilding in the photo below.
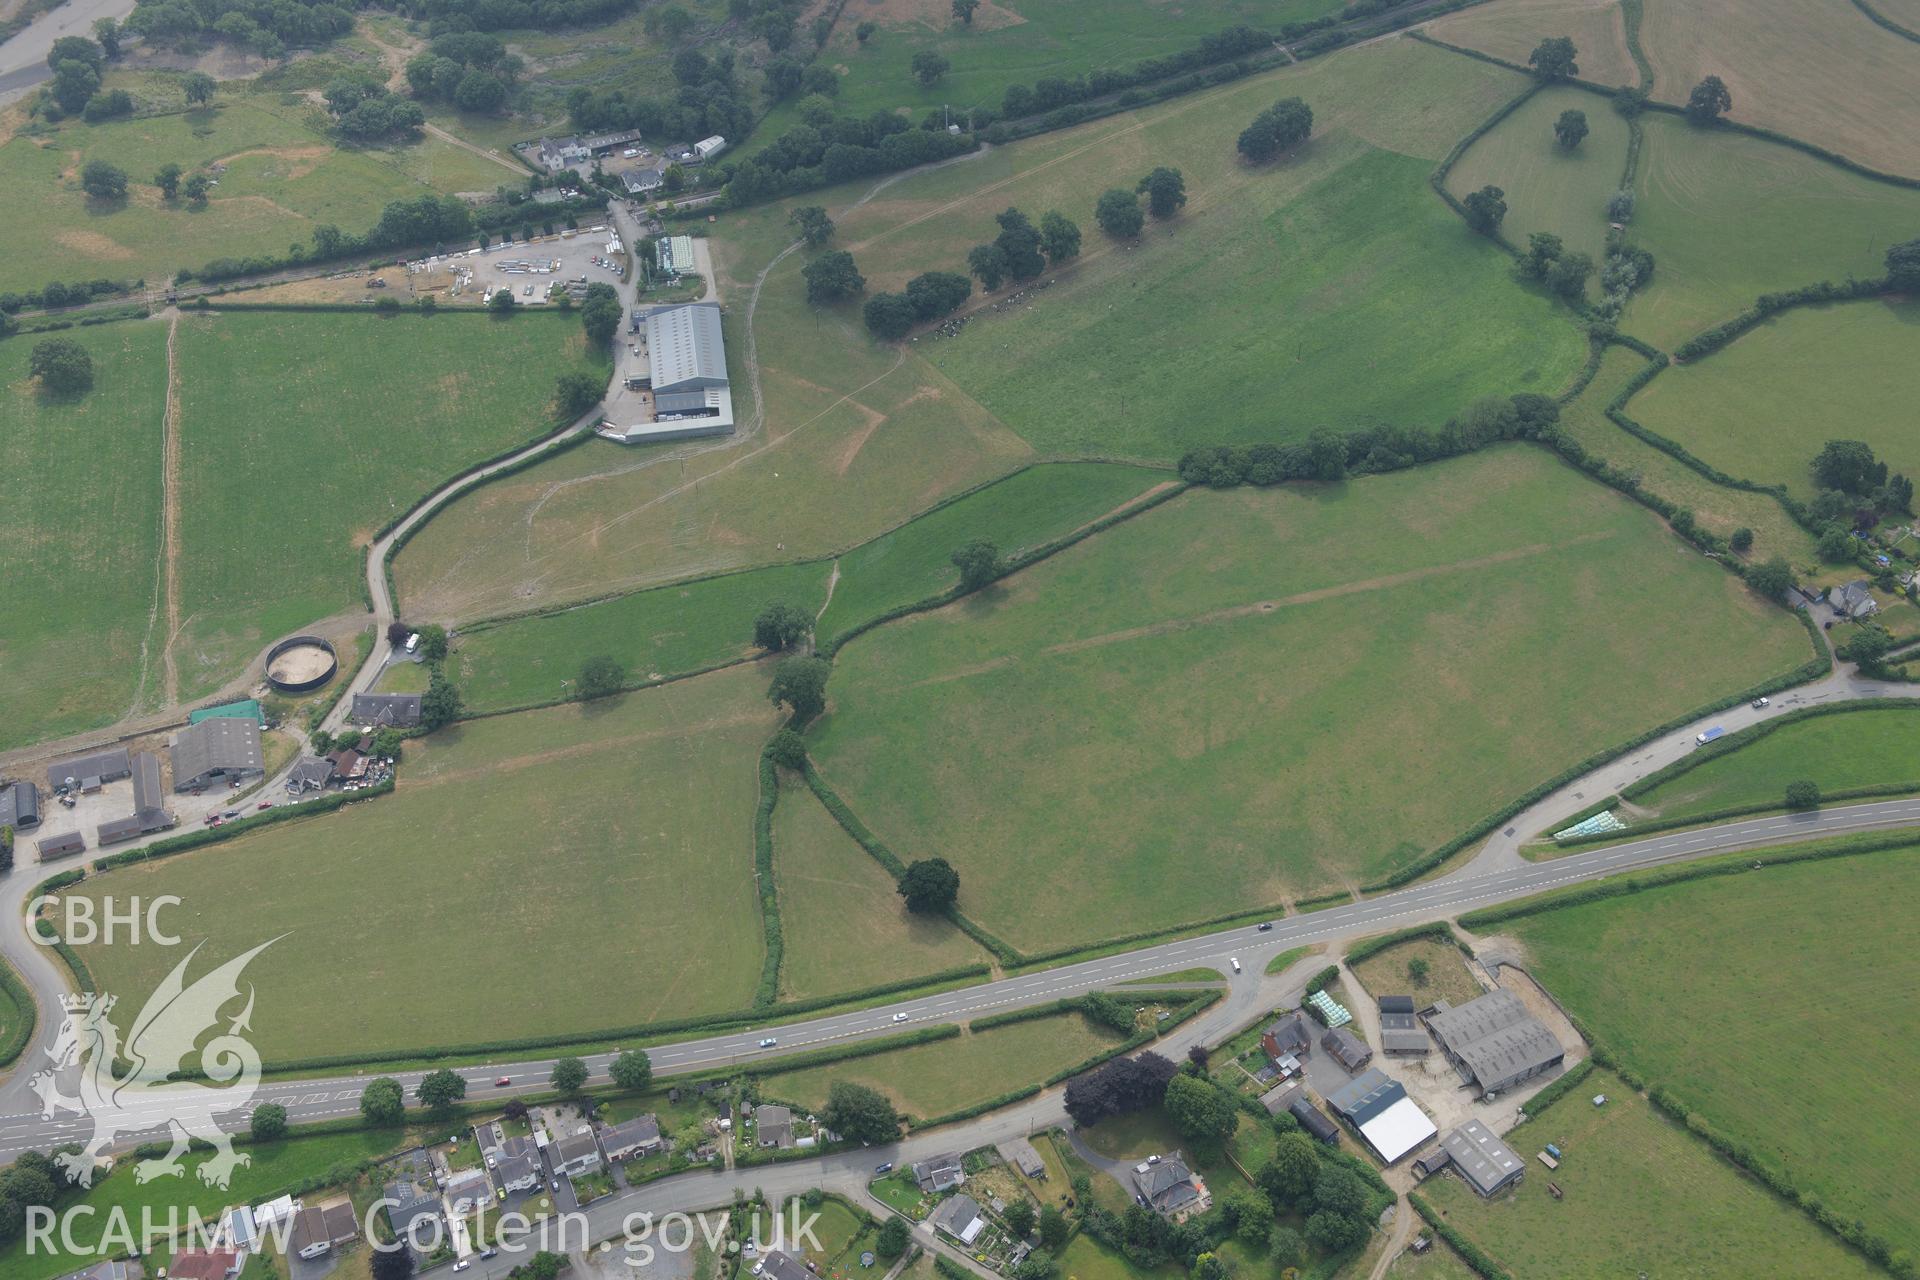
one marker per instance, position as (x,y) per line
(1346,1048)
(19,805)
(62,845)
(1314,1120)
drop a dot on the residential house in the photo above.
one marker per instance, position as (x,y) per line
(773,1126)
(1853,600)
(349,764)
(517,1172)
(1484,1162)
(783,1266)
(205,1264)
(939,1173)
(468,1190)
(269,1215)
(309,1238)
(1494,1042)
(575,1154)
(960,1217)
(1346,1048)
(1291,1036)
(639,182)
(386,710)
(408,1202)
(237,1230)
(1171,1188)
(639,1136)
(309,773)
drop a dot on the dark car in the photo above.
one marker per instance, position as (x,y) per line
(884,1168)
(1265,926)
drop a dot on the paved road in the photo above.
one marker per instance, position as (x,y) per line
(23,59)
(21,1126)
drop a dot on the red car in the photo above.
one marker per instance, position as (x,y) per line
(503,1082)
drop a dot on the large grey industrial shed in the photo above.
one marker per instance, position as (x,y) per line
(1487,1163)
(1494,1042)
(216,748)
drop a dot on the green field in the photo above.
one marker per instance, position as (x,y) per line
(1016,514)
(1730,217)
(554,871)
(282,179)
(275,1167)
(1717,508)
(303,434)
(1761,407)
(1346,306)
(930,1080)
(1865,748)
(850,927)
(82,541)
(1697,987)
(1549,188)
(662,632)
(1011,42)
(1227,681)
(1511,28)
(1642,1196)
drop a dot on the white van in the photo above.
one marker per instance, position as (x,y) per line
(413,641)
(1235,962)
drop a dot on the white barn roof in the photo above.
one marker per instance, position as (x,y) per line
(1398,1129)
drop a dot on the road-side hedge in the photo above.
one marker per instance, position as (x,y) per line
(1711,816)
(1732,864)
(1592,811)
(1567,1083)
(76,967)
(241,826)
(1751,734)
(1323,979)
(1469,1252)
(769,989)
(55,883)
(1439,929)
(20,1035)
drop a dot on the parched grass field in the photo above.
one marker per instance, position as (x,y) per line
(1864,748)
(1549,188)
(1511,28)
(1822,72)
(1297,689)
(1011,42)
(662,632)
(559,870)
(1717,507)
(82,538)
(303,434)
(1642,1195)
(1698,985)
(1730,217)
(859,437)
(1017,514)
(282,179)
(826,881)
(1761,407)
(1385,973)
(930,1080)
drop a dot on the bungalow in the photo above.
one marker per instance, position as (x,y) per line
(639,182)
(938,1174)
(773,1126)
(269,1215)
(1171,1189)
(783,1266)
(409,1202)
(387,710)
(1289,1037)
(309,1239)
(237,1230)
(960,1217)
(639,1136)
(309,773)
(469,1189)
(205,1264)
(575,1154)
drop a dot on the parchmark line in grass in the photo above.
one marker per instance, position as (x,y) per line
(170,518)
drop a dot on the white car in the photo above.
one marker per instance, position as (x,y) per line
(631,152)
(899,1017)
(768,1043)
(1235,962)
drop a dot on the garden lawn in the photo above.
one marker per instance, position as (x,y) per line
(1233,680)
(1762,407)
(929,1080)
(303,435)
(1511,28)
(663,632)
(1362,300)
(1642,1195)
(1017,514)
(1730,217)
(1865,748)
(593,834)
(1011,42)
(1548,187)
(1696,986)
(282,179)
(1716,507)
(851,928)
(273,1168)
(82,537)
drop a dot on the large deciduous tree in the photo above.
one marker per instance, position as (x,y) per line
(1281,127)
(931,886)
(1118,213)
(831,277)
(1570,128)
(781,626)
(439,1090)
(800,685)
(1166,191)
(860,1114)
(382,1102)
(1485,208)
(1709,101)
(63,366)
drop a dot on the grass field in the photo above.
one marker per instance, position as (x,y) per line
(1225,681)
(1549,188)
(1716,507)
(1342,307)
(302,434)
(654,633)
(1698,985)
(1511,28)
(1823,72)
(859,437)
(60,584)
(282,179)
(1642,1195)
(1853,749)
(1729,217)
(1385,972)
(850,926)
(275,1167)
(593,837)
(932,1079)
(1761,407)
(1016,514)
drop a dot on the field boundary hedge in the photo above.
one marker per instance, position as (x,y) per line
(1632,14)
(1882,20)
(22,1034)
(774,947)
(1711,816)
(1479,1261)
(243,826)
(1753,733)
(1366,950)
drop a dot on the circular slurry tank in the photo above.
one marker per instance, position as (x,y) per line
(300,663)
